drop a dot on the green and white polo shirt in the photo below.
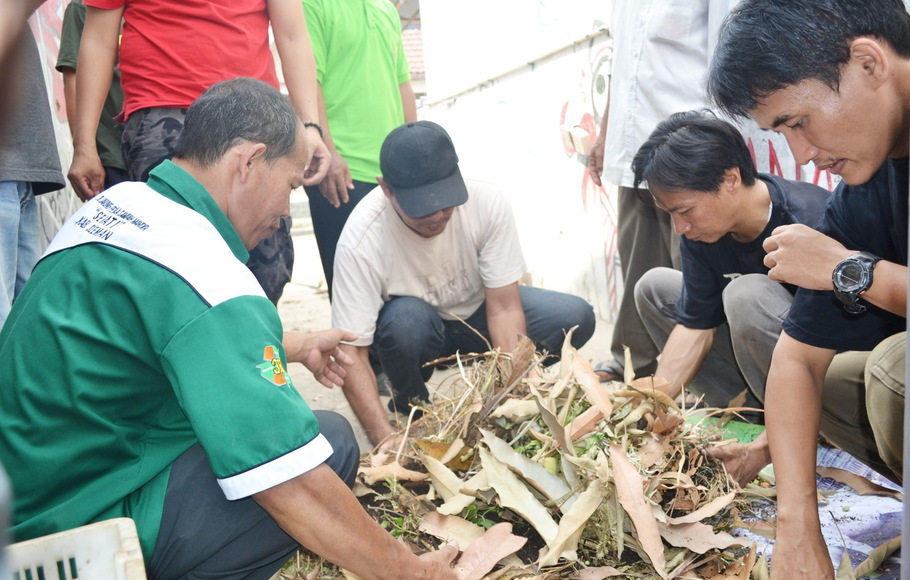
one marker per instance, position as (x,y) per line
(140,333)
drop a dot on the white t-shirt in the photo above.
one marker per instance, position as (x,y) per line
(378,257)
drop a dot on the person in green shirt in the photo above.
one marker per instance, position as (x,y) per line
(143,371)
(365,91)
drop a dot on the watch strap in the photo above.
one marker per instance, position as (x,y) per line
(867,261)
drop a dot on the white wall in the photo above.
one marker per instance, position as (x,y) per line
(511,81)
(510,132)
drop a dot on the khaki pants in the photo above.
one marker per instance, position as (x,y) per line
(868,421)
(645,240)
(739,359)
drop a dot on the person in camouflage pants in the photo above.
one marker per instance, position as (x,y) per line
(149,138)
(164,68)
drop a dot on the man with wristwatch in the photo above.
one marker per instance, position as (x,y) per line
(852,277)
(853,282)
(840,94)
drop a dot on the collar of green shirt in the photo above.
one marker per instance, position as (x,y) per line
(174,183)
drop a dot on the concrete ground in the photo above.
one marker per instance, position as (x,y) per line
(305,307)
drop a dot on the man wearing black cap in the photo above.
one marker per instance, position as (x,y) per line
(423,252)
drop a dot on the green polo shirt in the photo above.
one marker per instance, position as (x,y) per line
(360,63)
(115,360)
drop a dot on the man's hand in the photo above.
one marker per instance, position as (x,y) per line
(321,513)
(800,555)
(97,60)
(320,353)
(799,255)
(438,564)
(86,174)
(362,394)
(337,182)
(596,160)
(743,461)
(596,156)
(318,163)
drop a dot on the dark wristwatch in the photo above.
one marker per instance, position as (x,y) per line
(852,277)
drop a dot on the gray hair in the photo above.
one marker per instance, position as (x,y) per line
(233,111)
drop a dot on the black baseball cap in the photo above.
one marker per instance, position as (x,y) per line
(419,163)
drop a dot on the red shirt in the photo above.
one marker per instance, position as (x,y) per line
(171,51)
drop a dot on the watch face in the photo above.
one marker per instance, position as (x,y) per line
(851,276)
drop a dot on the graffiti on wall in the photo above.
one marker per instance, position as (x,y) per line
(783,165)
(581,117)
(579,120)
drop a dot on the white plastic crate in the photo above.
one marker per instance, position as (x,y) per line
(107,550)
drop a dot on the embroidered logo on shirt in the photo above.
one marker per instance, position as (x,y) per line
(272,370)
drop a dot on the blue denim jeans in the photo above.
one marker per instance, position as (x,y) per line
(20,240)
(409,332)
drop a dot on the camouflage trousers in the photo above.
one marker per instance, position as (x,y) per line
(150,137)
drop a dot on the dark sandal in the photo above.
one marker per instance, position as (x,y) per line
(606,373)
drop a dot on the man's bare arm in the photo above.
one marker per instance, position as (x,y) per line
(362,394)
(799,255)
(97,58)
(793,417)
(69,96)
(505,316)
(321,513)
(682,356)
(13,17)
(298,66)
(408,101)
(889,288)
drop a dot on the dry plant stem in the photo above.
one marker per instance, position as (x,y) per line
(464,398)
(570,398)
(520,433)
(466,356)
(404,439)
(494,402)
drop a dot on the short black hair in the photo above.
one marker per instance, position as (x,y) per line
(692,151)
(233,111)
(767,45)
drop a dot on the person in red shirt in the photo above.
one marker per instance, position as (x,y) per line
(169,54)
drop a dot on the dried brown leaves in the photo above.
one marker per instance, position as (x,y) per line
(597,480)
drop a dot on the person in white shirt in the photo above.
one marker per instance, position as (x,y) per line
(428,265)
(661,52)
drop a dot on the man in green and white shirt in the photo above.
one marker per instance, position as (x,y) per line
(144,369)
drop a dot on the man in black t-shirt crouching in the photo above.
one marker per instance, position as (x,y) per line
(839,91)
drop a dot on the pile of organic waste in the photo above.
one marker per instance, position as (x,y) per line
(548,473)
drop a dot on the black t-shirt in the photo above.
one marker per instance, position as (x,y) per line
(708,267)
(872,218)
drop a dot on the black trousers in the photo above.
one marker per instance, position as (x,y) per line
(203,535)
